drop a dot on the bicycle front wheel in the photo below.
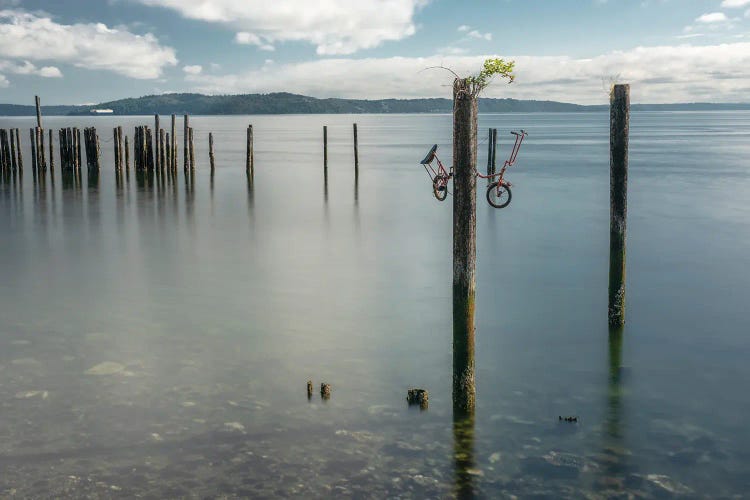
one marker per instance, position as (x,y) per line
(440,187)
(498,195)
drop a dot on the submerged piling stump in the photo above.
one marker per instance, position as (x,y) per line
(619,123)
(211,149)
(325,147)
(356,152)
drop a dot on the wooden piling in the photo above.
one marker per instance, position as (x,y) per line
(356,152)
(51,152)
(127,155)
(116,148)
(4,158)
(249,160)
(464,243)
(38,111)
(157,149)
(173,144)
(32,140)
(489,155)
(185,140)
(42,151)
(494,151)
(150,148)
(169,152)
(211,150)
(192,150)
(325,147)
(77,142)
(162,152)
(619,130)
(18,151)
(13,161)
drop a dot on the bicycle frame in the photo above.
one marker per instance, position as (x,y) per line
(441,170)
(520,136)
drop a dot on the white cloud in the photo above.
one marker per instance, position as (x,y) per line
(729,4)
(4,83)
(27,68)
(480,36)
(196,69)
(713,17)
(333,26)
(658,74)
(464,28)
(37,37)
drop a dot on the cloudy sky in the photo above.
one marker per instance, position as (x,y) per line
(86,51)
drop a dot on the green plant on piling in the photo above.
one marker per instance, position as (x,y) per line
(490,69)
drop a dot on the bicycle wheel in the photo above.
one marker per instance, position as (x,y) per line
(498,196)
(440,187)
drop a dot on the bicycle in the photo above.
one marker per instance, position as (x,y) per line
(439,176)
(498,192)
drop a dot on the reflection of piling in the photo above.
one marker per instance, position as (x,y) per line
(211,150)
(464,463)
(464,243)
(619,118)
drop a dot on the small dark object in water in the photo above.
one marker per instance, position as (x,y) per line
(325,390)
(309,389)
(417,397)
(567,419)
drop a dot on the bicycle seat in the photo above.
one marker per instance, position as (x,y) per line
(430,156)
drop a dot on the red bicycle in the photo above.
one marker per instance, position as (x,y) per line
(439,176)
(498,193)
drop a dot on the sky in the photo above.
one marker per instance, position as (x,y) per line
(91,51)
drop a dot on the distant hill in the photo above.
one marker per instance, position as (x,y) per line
(286,103)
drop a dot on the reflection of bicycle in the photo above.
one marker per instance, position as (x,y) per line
(439,176)
(498,193)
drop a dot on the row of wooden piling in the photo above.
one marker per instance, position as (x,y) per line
(70,149)
(11,158)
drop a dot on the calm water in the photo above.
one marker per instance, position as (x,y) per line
(156,338)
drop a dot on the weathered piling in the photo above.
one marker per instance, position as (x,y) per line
(32,140)
(619,129)
(192,149)
(162,155)
(41,149)
(127,155)
(356,152)
(4,148)
(91,145)
(51,152)
(116,148)
(149,148)
(250,160)
(494,151)
(157,146)
(18,150)
(185,140)
(38,111)
(489,155)
(325,147)
(211,150)
(169,151)
(464,243)
(173,144)
(77,133)
(120,152)
(13,160)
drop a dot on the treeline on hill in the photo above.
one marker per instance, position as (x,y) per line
(286,103)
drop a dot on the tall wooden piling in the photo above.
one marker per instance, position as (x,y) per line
(464,243)
(38,111)
(249,160)
(356,152)
(489,155)
(192,150)
(150,148)
(325,148)
(42,151)
(619,130)
(494,151)
(169,152)
(211,150)
(18,151)
(185,140)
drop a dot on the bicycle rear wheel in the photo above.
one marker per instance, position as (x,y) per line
(440,187)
